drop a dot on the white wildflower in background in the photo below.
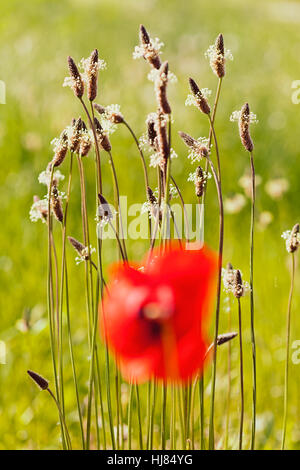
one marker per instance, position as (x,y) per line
(234,204)
(84,255)
(39,210)
(292,239)
(246,183)
(276,187)
(44,177)
(192,100)
(194,155)
(264,219)
(236,115)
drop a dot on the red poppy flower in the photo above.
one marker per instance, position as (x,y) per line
(155,320)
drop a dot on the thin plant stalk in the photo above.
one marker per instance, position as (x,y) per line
(229,383)
(288,335)
(139,413)
(241,376)
(149,388)
(253,429)
(164,415)
(68,439)
(153,414)
(201,396)
(214,366)
(50,301)
(130,406)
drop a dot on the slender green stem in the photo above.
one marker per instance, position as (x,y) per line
(288,335)
(229,383)
(253,430)
(130,406)
(139,413)
(153,414)
(241,377)
(69,444)
(117,203)
(201,396)
(141,154)
(173,417)
(214,367)
(163,416)
(213,117)
(149,388)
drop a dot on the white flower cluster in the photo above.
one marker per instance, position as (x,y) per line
(39,210)
(194,155)
(153,75)
(156,158)
(228,277)
(194,179)
(84,254)
(84,66)
(44,177)
(292,240)
(142,50)
(236,115)
(191,99)
(213,55)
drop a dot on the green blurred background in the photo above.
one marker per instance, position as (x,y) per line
(36,37)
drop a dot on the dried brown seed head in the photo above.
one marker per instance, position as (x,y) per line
(161,83)
(201,101)
(150,53)
(151,132)
(218,61)
(104,211)
(77,82)
(74,139)
(42,383)
(200,181)
(244,128)
(56,205)
(92,75)
(144,36)
(151,198)
(162,138)
(79,247)
(224,338)
(61,149)
(238,288)
(102,137)
(99,108)
(294,240)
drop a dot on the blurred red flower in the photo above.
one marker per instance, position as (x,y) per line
(155,320)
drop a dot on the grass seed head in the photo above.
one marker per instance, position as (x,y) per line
(201,101)
(244,128)
(77,82)
(161,83)
(42,383)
